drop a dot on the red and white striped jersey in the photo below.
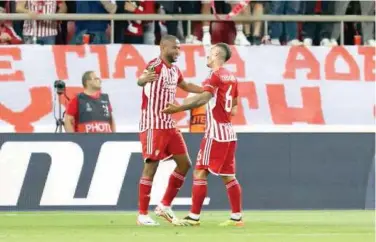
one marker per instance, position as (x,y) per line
(41,28)
(223,85)
(156,95)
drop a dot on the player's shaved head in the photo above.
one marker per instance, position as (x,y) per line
(170,48)
(224,51)
(168,38)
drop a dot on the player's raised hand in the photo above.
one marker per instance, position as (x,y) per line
(171,108)
(146,77)
(149,76)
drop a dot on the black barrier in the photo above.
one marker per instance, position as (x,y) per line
(101,172)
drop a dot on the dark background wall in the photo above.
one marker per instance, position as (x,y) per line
(277,171)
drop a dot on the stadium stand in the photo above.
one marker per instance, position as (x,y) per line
(146,32)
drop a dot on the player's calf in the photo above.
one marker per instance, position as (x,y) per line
(176,180)
(145,186)
(199,192)
(234,193)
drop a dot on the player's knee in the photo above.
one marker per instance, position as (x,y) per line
(184,168)
(200,174)
(150,169)
(183,163)
(188,165)
(227,179)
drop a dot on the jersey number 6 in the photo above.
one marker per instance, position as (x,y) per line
(228,104)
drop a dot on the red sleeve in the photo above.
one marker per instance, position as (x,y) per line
(180,78)
(211,84)
(72,108)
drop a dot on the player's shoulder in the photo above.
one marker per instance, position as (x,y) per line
(154,62)
(224,75)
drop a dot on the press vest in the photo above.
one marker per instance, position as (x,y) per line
(94,114)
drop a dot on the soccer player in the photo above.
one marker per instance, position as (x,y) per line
(217,151)
(159,137)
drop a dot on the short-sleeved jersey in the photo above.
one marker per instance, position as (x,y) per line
(156,95)
(223,85)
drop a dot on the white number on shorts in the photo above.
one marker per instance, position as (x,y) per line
(228,104)
(199,155)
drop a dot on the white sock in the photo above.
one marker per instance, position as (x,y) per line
(205,29)
(236,216)
(239,28)
(194,216)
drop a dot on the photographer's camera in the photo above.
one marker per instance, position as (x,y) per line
(59,85)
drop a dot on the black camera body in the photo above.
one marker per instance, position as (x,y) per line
(59,85)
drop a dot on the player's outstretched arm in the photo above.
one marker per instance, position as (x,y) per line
(234,109)
(196,100)
(190,87)
(192,102)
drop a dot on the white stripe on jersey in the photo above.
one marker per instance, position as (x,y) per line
(41,28)
(158,94)
(207,151)
(221,132)
(149,142)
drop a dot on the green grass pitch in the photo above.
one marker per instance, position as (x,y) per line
(261,226)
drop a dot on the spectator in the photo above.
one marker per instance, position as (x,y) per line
(290,28)
(8,36)
(324,28)
(7,33)
(41,31)
(240,38)
(16,24)
(62,36)
(367,8)
(3,6)
(184,7)
(95,29)
(256,36)
(149,26)
(132,32)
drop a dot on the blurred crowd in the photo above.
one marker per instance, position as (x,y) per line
(149,32)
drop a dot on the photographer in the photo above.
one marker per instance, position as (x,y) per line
(90,111)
